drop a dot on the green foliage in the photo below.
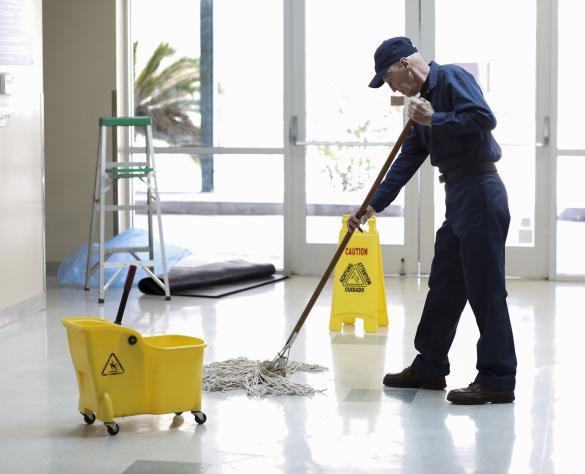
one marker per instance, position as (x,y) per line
(348,168)
(170,96)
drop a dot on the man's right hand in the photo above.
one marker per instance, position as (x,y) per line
(354,223)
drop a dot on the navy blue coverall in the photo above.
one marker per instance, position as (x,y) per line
(468,264)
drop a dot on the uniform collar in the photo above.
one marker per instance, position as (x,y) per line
(431,80)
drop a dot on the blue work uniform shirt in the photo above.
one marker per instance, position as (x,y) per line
(460,133)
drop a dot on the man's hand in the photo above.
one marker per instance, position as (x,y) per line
(353,222)
(421,111)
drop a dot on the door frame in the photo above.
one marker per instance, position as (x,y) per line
(312,259)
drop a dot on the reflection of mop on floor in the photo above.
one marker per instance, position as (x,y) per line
(269,377)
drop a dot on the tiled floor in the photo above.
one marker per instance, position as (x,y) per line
(356,426)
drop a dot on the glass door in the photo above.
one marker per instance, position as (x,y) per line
(513,76)
(341,131)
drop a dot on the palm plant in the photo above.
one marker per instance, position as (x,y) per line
(169,96)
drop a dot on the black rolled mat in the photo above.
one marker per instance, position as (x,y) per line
(213,280)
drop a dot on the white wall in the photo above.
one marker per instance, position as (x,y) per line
(21,180)
(80,73)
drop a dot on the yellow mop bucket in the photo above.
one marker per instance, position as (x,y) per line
(121,373)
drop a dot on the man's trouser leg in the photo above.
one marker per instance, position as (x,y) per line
(482,226)
(445,302)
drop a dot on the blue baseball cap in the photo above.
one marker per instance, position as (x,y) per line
(387,54)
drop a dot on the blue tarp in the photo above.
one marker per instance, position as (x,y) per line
(72,270)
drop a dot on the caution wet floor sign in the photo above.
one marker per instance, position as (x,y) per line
(358,287)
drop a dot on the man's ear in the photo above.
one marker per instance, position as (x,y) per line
(404,62)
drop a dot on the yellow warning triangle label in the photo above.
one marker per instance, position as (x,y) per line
(113,366)
(354,278)
(355,275)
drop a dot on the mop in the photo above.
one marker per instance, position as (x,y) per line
(256,378)
(270,377)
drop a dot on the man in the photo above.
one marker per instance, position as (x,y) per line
(453,125)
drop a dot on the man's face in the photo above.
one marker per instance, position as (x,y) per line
(399,77)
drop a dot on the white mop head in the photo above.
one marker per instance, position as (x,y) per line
(254,377)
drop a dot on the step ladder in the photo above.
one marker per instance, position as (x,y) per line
(106,179)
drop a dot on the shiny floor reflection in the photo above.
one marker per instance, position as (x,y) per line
(355,426)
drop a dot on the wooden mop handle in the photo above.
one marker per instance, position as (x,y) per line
(360,213)
(125,293)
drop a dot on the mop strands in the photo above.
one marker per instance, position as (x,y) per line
(257,378)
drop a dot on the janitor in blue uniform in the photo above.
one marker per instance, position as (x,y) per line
(453,125)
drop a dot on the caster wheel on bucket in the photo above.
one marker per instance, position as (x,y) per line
(89,418)
(112,428)
(200,417)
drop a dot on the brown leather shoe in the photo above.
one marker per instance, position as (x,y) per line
(409,378)
(477,394)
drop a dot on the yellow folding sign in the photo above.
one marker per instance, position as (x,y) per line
(358,286)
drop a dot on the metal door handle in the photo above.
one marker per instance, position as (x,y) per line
(294,130)
(545,133)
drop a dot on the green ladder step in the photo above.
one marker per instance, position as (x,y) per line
(131,171)
(124,121)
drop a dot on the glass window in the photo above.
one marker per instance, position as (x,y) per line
(166,69)
(570,215)
(571,70)
(223,224)
(248,84)
(570,169)
(205,75)
(463,40)
(209,72)
(341,37)
(338,179)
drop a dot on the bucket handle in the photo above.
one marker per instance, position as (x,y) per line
(127,288)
